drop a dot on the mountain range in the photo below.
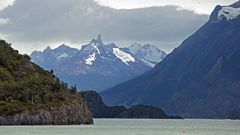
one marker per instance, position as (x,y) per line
(98,66)
(199,79)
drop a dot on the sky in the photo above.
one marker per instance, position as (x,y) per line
(199,6)
(5,3)
(35,24)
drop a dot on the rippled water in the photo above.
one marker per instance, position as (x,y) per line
(133,127)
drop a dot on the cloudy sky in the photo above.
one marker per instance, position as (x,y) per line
(199,6)
(34,24)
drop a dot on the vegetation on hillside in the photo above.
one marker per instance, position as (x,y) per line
(26,86)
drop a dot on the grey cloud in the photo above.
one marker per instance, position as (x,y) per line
(80,20)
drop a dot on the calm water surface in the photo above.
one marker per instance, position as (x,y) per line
(133,127)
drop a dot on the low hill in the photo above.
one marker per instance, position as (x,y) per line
(100,110)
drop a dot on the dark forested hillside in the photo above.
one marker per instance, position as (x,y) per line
(24,86)
(100,110)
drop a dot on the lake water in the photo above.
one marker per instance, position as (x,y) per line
(133,127)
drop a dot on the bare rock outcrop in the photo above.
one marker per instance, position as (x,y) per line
(72,114)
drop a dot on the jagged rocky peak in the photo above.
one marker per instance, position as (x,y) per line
(99,39)
(93,47)
(228,13)
(97,42)
(63,46)
(47,49)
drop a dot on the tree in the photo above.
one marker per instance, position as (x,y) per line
(52,71)
(73,89)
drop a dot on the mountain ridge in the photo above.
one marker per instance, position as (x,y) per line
(97,63)
(188,82)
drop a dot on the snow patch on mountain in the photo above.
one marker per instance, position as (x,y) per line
(148,53)
(123,56)
(62,56)
(148,63)
(97,49)
(90,59)
(229,13)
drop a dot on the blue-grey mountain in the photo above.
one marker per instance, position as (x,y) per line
(199,79)
(97,66)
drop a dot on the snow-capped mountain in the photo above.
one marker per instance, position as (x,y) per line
(199,79)
(149,54)
(230,12)
(96,65)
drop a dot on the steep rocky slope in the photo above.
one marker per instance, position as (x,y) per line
(199,79)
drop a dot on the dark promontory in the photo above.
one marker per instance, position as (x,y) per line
(235,114)
(100,110)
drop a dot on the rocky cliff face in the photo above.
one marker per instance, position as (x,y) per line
(67,114)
